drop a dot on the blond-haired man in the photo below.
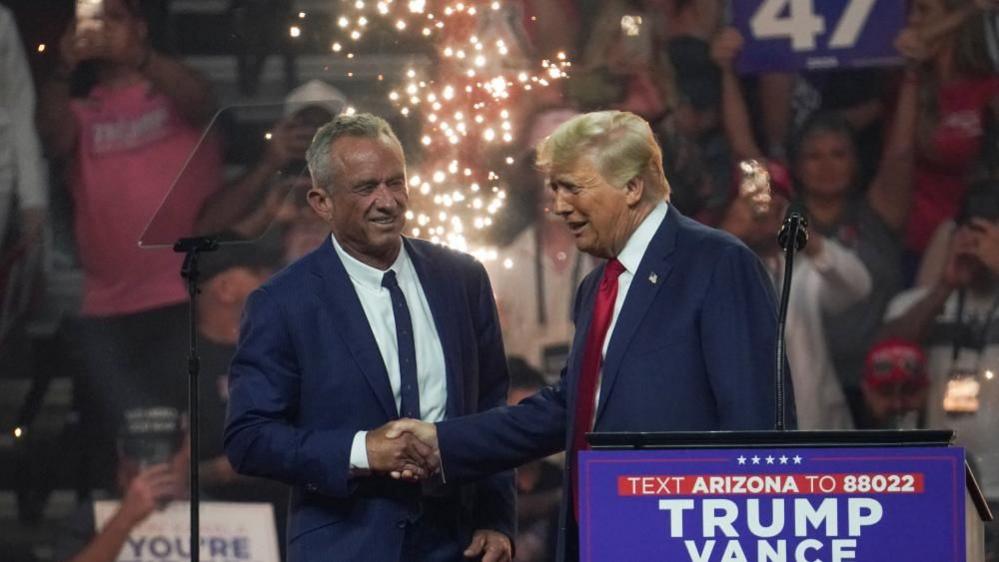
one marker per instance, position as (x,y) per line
(674,332)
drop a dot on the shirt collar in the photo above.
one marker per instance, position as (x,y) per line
(363,273)
(634,250)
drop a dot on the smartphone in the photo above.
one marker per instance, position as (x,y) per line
(150,436)
(89,15)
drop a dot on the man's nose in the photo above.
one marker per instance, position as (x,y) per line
(384,198)
(560,206)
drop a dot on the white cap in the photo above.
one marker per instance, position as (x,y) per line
(317,93)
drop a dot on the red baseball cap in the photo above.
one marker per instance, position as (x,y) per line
(895,362)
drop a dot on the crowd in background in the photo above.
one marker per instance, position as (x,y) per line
(897,169)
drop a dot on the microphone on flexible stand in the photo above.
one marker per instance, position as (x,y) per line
(795,227)
(792,237)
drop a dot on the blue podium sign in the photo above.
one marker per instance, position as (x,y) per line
(773,505)
(817,34)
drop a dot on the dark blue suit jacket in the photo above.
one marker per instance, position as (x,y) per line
(308,375)
(693,350)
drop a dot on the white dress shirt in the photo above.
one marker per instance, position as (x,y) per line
(631,257)
(377,304)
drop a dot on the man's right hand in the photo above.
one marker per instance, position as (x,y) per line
(403,455)
(424,433)
(148,490)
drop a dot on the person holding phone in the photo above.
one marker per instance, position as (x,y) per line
(280,172)
(124,118)
(956,322)
(624,48)
(151,472)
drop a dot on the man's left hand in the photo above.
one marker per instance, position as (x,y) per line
(491,546)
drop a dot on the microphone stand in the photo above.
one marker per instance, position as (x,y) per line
(192,247)
(792,237)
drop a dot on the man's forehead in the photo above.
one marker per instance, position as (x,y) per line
(579,170)
(348,143)
(355,153)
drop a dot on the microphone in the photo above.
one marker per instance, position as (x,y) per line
(795,228)
(793,236)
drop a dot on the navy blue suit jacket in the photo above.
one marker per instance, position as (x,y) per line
(308,375)
(693,350)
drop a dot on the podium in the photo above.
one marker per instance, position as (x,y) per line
(779,496)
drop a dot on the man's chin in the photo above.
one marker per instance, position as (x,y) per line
(386,239)
(591,248)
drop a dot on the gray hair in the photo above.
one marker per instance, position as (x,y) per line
(362,125)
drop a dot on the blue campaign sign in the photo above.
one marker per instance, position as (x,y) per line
(773,505)
(817,34)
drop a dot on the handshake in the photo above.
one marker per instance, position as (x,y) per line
(405,449)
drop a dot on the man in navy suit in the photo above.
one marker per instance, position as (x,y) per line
(674,332)
(368,328)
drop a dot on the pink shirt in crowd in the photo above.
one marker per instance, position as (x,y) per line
(132,145)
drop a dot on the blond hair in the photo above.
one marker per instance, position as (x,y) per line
(620,144)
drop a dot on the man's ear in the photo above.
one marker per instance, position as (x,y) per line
(321,202)
(634,190)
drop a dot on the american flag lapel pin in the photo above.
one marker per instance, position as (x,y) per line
(653,278)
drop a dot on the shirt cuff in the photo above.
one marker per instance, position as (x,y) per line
(359,455)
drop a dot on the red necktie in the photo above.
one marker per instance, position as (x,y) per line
(603,311)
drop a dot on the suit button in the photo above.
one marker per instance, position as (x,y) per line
(310,487)
(401,524)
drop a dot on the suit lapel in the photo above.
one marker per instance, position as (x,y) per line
(652,273)
(337,293)
(434,281)
(582,327)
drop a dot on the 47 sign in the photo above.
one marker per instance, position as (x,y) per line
(815,34)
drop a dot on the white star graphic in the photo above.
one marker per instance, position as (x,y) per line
(797,459)
(783,459)
(770,459)
(741,459)
(756,460)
